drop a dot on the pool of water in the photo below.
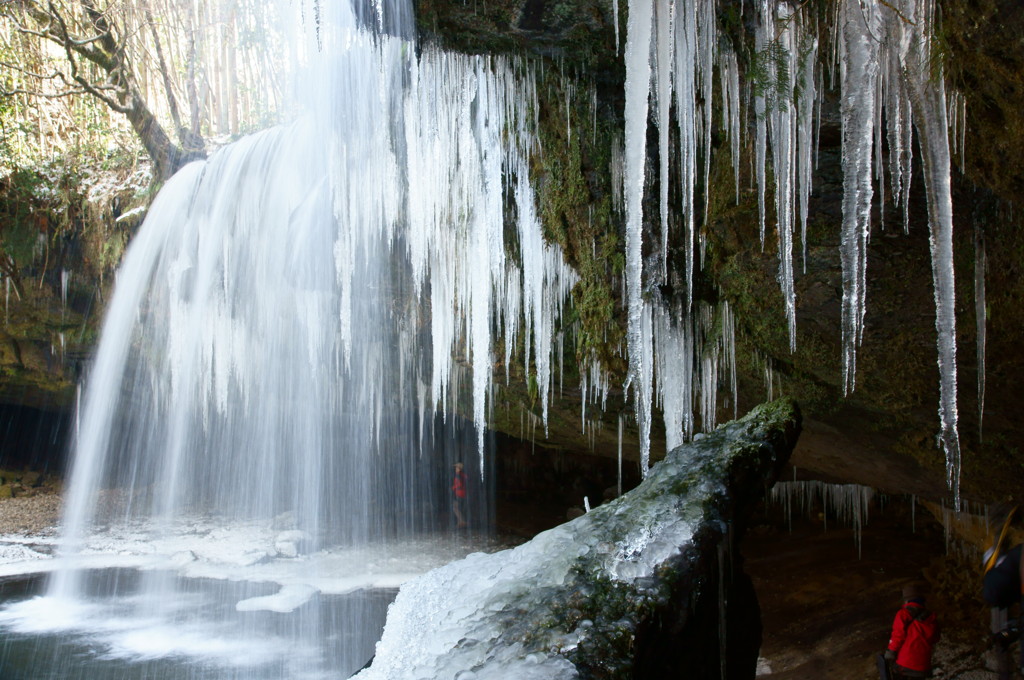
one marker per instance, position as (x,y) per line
(118,629)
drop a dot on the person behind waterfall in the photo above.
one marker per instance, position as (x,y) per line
(915,630)
(1001,588)
(459,495)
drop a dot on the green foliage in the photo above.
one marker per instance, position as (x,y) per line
(769,75)
(19,231)
(606,651)
(770,69)
(574,195)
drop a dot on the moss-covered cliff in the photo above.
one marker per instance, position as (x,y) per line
(63,229)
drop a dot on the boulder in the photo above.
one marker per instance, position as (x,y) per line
(639,587)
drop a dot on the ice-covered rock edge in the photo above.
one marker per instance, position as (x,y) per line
(619,589)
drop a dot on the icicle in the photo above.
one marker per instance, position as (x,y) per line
(583,402)
(858,75)
(561,362)
(817,119)
(963,129)
(586,504)
(684,80)
(899,126)
(638,76)
(672,389)
(761,45)
(615,20)
(619,483)
(645,386)
(930,119)
(849,502)
(65,278)
(707,39)
(730,75)
(729,332)
(806,139)
(782,128)
(980,316)
(663,76)
(513,308)
(708,392)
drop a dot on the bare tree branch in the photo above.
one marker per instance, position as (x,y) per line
(93,38)
(70,50)
(45,95)
(899,14)
(172,101)
(32,74)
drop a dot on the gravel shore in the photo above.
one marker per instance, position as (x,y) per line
(36,515)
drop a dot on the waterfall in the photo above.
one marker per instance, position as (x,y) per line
(285,345)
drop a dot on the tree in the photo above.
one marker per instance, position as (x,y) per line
(97,61)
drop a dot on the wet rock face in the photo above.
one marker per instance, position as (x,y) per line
(636,588)
(581,32)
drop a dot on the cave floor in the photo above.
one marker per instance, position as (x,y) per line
(827,611)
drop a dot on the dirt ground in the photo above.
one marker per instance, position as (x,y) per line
(828,599)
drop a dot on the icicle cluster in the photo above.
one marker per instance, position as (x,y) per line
(850,503)
(690,358)
(682,37)
(886,63)
(784,103)
(461,154)
(889,87)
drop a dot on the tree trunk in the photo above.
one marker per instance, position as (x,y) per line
(167,157)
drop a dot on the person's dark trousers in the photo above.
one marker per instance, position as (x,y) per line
(1004,657)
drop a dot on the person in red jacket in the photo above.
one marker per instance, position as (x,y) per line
(459,494)
(915,631)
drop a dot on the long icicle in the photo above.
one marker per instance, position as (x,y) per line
(638,78)
(980,315)
(928,101)
(858,74)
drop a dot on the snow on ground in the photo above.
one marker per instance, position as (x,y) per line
(259,569)
(255,552)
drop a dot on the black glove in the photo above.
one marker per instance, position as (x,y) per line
(890,655)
